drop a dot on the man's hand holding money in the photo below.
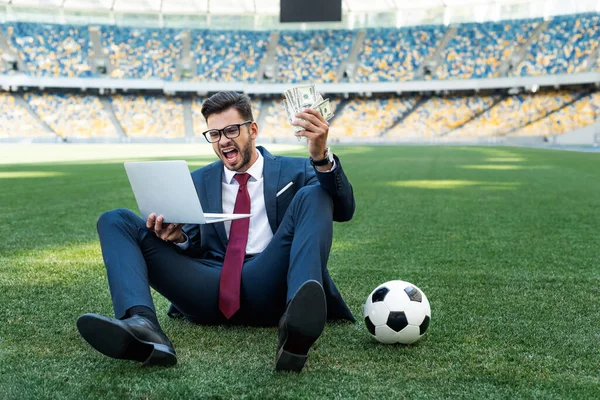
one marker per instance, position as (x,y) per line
(308,112)
(315,130)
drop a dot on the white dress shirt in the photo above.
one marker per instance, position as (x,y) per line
(259,233)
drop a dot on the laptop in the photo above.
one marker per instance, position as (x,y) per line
(166,188)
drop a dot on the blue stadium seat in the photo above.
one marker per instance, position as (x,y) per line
(228,56)
(51,50)
(312,56)
(478,50)
(395,54)
(563,47)
(142,53)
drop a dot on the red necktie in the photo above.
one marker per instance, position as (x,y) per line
(231,273)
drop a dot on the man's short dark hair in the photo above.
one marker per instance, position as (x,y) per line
(222,101)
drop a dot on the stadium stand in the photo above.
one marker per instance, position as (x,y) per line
(78,116)
(71,115)
(315,55)
(563,47)
(595,102)
(371,117)
(17,121)
(387,54)
(256,108)
(51,50)
(228,56)
(437,116)
(141,53)
(582,112)
(478,50)
(3,67)
(197,117)
(150,116)
(395,54)
(514,112)
(475,50)
(276,123)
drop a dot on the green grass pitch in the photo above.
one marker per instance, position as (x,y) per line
(504,241)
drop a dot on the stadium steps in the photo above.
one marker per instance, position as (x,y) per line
(476,116)
(269,66)
(266,104)
(338,110)
(185,67)
(434,60)
(404,116)
(349,64)
(99,59)
(567,104)
(11,54)
(107,104)
(23,103)
(188,121)
(513,62)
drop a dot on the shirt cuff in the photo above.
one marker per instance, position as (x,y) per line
(184,245)
(329,170)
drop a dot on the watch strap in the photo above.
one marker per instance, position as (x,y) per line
(325,161)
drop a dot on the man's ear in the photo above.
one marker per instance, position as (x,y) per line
(253,130)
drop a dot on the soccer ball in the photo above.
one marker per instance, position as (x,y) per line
(397,312)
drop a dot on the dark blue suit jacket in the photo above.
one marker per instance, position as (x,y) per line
(210,240)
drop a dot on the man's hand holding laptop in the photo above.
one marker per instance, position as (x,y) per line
(178,203)
(166,232)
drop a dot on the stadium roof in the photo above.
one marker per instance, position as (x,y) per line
(239,6)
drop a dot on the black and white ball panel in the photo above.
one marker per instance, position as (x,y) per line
(397,312)
(397,320)
(413,293)
(424,325)
(379,294)
(377,312)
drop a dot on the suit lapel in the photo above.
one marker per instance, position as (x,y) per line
(271,172)
(214,197)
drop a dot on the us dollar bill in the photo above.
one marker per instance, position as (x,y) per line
(324,108)
(306,95)
(288,110)
(300,98)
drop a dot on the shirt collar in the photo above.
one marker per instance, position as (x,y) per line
(255,171)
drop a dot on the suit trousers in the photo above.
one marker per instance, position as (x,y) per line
(136,260)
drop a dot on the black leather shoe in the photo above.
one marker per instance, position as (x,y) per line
(133,338)
(300,326)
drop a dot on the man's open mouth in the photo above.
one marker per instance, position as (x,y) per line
(230,154)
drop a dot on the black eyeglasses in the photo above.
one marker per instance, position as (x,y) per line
(230,132)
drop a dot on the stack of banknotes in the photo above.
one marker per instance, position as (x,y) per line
(302,97)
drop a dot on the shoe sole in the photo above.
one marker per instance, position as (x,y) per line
(116,341)
(305,321)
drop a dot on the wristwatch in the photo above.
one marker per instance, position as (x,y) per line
(328,159)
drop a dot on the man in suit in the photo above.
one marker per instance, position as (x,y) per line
(268,269)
